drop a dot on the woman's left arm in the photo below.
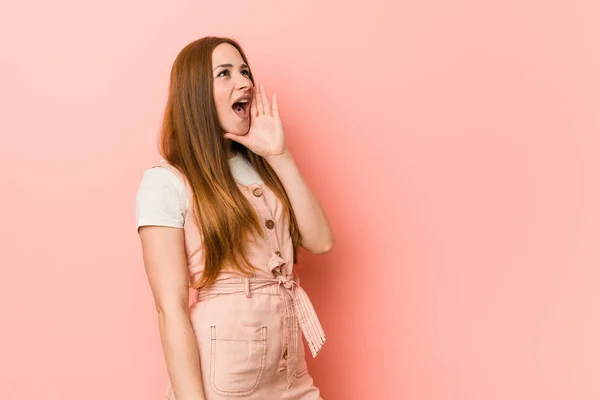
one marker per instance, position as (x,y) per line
(317,236)
(265,138)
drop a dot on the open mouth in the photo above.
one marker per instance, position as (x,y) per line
(241,108)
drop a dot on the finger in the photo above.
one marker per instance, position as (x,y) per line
(265,100)
(275,107)
(258,99)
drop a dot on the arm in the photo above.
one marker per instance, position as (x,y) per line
(165,262)
(266,139)
(317,236)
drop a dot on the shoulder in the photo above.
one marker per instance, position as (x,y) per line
(161,197)
(162,176)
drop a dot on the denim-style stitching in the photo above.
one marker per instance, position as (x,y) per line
(213,345)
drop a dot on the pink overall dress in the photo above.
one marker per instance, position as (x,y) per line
(249,329)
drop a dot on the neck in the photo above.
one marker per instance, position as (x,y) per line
(230,152)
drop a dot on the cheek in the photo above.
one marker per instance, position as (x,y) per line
(221,99)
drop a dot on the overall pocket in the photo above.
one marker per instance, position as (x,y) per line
(237,358)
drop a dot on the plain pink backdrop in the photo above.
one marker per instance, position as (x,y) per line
(453,145)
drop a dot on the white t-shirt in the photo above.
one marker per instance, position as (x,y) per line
(162,200)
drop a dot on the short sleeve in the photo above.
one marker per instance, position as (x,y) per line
(160,199)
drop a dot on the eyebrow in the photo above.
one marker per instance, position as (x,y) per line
(228,66)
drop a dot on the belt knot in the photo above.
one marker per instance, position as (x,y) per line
(285,281)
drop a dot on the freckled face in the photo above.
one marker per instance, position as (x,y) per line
(232,89)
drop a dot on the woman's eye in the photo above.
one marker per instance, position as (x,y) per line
(225,72)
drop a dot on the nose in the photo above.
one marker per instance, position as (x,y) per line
(243,82)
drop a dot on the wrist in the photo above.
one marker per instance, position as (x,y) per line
(278,158)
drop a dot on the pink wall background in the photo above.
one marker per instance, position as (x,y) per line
(454,146)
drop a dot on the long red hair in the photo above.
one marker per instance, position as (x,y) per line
(192,140)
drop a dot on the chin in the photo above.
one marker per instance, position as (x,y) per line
(241,131)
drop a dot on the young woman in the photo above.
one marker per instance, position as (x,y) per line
(224,212)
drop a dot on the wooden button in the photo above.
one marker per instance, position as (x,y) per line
(270,224)
(257,192)
(278,253)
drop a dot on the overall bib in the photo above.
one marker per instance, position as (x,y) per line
(249,329)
